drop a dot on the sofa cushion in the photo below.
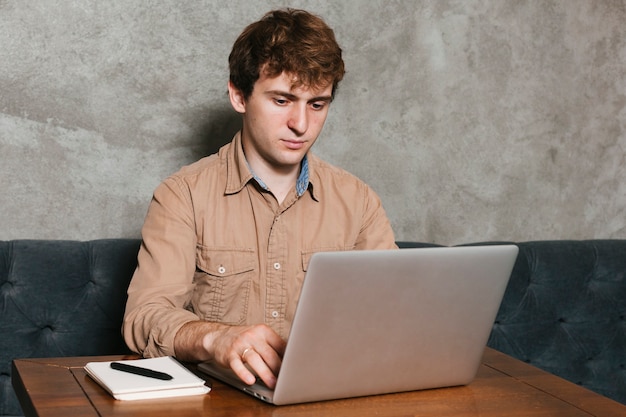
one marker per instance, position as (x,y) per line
(61,298)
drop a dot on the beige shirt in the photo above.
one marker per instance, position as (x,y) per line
(218,247)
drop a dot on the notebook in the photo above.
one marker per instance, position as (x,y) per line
(129,386)
(377,322)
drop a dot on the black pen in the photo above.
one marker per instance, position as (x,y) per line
(140,371)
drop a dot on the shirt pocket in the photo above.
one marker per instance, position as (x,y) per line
(223,280)
(307,254)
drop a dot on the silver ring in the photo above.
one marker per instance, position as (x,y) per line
(243,355)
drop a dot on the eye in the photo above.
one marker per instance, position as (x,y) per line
(281,101)
(318,105)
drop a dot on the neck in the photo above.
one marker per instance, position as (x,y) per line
(278,181)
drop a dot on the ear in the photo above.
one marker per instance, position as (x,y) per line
(237,99)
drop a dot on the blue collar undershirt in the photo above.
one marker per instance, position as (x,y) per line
(301,184)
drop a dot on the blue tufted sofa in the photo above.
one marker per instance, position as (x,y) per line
(61,298)
(563,310)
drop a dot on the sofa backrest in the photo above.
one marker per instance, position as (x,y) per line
(563,311)
(61,298)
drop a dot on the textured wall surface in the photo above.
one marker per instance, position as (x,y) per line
(473,120)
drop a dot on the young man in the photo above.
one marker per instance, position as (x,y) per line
(226,240)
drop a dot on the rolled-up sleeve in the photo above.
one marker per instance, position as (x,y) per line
(162,285)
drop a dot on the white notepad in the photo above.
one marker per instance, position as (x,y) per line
(127,386)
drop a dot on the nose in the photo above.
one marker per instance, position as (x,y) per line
(298,119)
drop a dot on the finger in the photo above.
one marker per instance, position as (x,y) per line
(242,371)
(271,348)
(272,359)
(261,368)
(277,343)
(243,355)
(272,339)
(255,350)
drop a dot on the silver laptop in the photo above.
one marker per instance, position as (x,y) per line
(376,322)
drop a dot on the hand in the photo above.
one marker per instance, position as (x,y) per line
(257,346)
(263,347)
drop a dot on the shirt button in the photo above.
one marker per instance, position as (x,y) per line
(277,265)
(274,314)
(221,270)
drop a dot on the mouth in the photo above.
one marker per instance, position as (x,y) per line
(294,144)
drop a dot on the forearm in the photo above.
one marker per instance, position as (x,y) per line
(194,342)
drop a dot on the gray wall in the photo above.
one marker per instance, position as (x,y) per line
(473,120)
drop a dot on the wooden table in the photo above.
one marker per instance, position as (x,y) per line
(59,387)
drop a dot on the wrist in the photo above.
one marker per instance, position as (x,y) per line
(194,341)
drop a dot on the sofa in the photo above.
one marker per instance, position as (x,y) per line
(563,310)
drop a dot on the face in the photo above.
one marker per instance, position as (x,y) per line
(280,122)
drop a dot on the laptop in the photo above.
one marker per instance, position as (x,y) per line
(387,321)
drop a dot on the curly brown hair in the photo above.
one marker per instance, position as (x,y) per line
(287,40)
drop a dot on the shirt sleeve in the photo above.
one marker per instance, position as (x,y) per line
(162,284)
(376,231)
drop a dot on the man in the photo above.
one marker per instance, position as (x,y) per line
(226,240)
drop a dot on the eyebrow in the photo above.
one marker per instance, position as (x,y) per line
(294,97)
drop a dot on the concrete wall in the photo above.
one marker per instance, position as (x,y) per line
(474,120)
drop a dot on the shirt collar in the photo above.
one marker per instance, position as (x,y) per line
(240,172)
(301,184)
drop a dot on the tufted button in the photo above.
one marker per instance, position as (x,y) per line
(7,287)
